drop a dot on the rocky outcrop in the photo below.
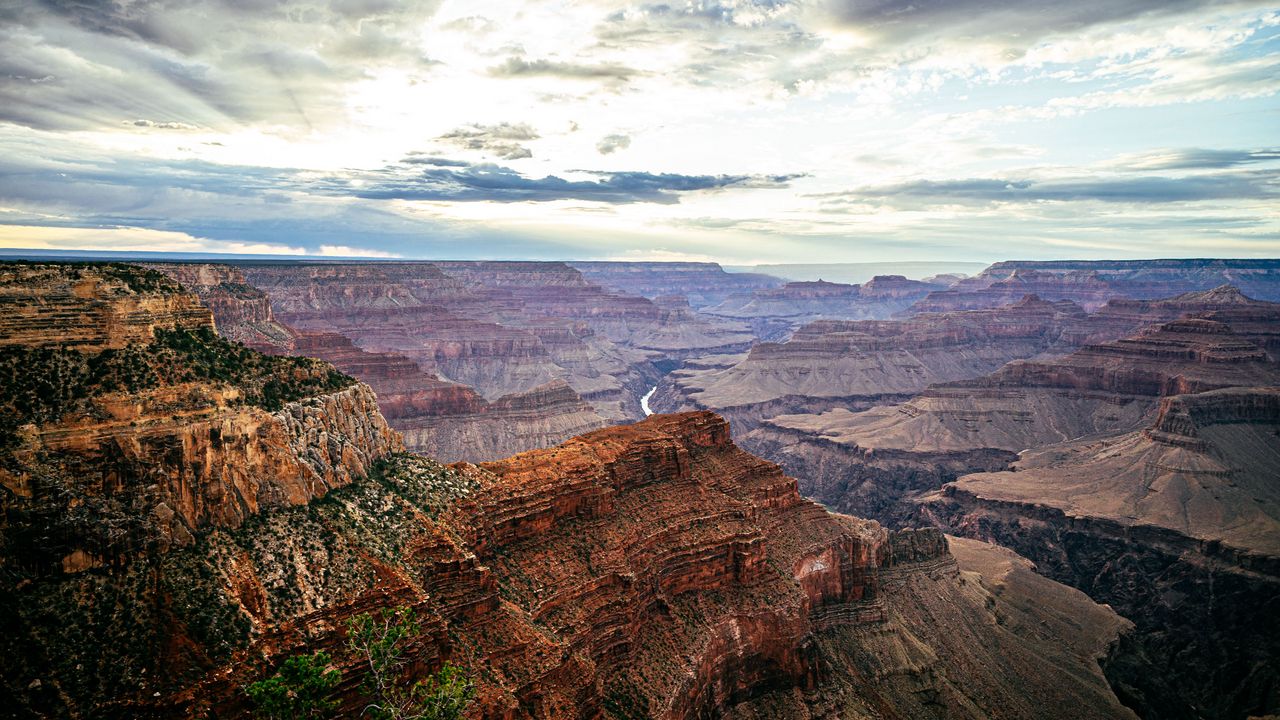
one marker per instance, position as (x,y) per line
(873,462)
(858,364)
(704,284)
(1253,320)
(499,327)
(1175,526)
(537,418)
(652,570)
(242,311)
(157,431)
(92,306)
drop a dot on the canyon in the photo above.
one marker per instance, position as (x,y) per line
(189,512)
(207,468)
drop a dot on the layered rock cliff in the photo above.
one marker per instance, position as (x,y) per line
(155,431)
(872,462)
(653,570)
(1177,526)
(500,328)
(855,365)
(798,302)
(242,311)
(93,307)
(1092,283)
(446,420)
(704,284)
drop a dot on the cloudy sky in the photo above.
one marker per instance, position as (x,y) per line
(742,131)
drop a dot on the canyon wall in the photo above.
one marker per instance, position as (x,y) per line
(190,513)
(1177,526)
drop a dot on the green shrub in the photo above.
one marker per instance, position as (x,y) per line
(299,689)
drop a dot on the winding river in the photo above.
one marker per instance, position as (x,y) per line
(644,401)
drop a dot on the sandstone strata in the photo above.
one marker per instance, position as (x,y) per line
(653,570)
(1093,283)
(1174,525)
(871,462)
(857,364)
(704,284)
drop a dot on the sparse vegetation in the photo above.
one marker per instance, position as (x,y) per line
(381,640)
(42,385)
(300,689)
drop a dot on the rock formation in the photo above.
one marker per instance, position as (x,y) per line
(798,302)
(242,311)
(500,328)
(190,513)
(1093,283)
(858,364)
(1177,526)
(446,420)
(704,284)
(872,462)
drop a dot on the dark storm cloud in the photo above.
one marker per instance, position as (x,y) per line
(1240,185)
(499,184)
(515,67)
(502,140)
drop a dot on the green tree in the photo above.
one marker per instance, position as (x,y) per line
(381,640)
(299,689)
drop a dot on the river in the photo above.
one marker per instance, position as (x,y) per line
(644,401)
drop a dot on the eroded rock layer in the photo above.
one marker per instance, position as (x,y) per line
(802,301)
(1093,283)
(190,513)
(704,284)
(871,462)
(1177,526)
(857,364)
(446,420)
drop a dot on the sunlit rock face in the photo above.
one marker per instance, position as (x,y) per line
(653,567)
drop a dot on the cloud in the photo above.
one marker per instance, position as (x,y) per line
(1240,185)
(67,64)
(1194,159)
(1016,25)
(501,140)
(610,144)
(494,183)
(171,125)
(515,67)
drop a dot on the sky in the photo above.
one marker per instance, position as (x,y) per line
(740,131)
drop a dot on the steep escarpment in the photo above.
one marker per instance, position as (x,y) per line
(242,311)
(857,364)
(1092,283)
(872,462)
(449,421)
(803,301)
(1175,526)
(90,306)
(153,433)
(652,570)
(703,284)
(446,420)
(499,327)
(1253,320)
